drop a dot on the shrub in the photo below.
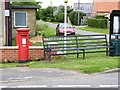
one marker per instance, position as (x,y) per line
(14,41)
(60,17)
(98,23)
(40,26)
(74,17)
(101,17)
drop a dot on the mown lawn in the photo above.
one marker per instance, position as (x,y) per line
(49,31)
(97,30)
(92,64)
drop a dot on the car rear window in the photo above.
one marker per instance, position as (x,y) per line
(67,25)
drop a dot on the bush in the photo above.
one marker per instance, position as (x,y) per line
(60,17)
(101,17)
(40,26)
(98,23)
(74,17)
(14,41)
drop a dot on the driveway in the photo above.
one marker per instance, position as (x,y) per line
(54,77)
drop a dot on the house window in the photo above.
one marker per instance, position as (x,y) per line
(20,19)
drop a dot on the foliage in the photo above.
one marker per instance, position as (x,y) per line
(60,17)
(38,14)
(40,27)
(74,17)
(54,14)
(47,14)
(14,41)
(37,44)
(101,17)
(60,10)
(31,3)
(98,23)
(43,29)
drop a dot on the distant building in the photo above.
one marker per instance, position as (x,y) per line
(105,7)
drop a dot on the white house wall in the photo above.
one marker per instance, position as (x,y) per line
(2,24)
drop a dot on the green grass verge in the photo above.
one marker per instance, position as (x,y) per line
(49,31)
(92,64)
(97,30)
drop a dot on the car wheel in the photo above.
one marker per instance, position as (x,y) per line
(73,34)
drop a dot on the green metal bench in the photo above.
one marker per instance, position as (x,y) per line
(82,44)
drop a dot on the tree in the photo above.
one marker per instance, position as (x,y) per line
(59,13)
(74,17)
(61,10)
(47,14)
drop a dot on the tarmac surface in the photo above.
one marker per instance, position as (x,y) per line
(55,78)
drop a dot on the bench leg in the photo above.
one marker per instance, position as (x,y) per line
(83,54)
(49,57)
(107,52)
(77,55)
(45,55)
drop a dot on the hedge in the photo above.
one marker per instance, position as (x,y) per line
(60,17)
(97,23)
(74,17)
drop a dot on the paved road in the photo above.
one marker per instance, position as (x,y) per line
(54,77)
(77,31)
(81,32)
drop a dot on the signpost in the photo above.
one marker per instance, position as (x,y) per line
(83,7)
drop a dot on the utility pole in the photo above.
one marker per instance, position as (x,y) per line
(65,17)
(65,22)
(51,3)
(78,12)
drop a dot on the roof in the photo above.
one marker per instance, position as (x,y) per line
(25,7)
(106,6)
(106,0)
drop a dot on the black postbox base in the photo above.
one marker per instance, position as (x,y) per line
(23,61)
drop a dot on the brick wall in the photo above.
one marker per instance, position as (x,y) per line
(11,53)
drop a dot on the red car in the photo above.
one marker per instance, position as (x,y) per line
(70,30)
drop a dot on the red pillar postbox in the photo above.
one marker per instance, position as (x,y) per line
(23,44)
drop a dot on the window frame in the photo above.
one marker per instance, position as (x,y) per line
(15,21)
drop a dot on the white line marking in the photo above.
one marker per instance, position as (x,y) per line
(35,86)
(3,86)
(108,86)
(72,86)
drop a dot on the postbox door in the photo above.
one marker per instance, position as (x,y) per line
(24,47)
